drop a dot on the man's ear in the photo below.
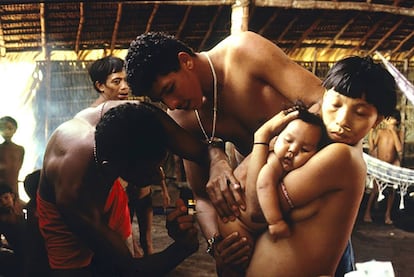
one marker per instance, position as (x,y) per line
(99,86)
(186,60)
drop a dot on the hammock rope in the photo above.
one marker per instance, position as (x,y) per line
(388,175)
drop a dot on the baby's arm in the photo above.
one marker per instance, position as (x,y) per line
(267,194)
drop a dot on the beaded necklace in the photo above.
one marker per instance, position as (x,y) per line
(213,131)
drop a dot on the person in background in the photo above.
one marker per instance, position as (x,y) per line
(108,78)
(140,203)
(11,154)
(12,227)
(386,145)
(82,160)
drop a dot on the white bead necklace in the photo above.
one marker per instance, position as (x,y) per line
(213,131)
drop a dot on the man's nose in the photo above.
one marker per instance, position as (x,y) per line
(124,84)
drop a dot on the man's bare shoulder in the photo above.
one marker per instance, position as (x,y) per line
(186,119)
(243,44)
(69,151)
(72,140)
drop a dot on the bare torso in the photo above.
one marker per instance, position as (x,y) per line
(252,87)
(68,169)
(386,148)
(11,159)
(322,221)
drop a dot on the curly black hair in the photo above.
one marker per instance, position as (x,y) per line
(151,55)
(129,134)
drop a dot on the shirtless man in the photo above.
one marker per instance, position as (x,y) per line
(387,146)
(11,154)
(82,160)
(248,78)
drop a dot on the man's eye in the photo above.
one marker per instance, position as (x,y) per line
(170,89)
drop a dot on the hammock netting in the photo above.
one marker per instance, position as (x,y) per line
(388,175)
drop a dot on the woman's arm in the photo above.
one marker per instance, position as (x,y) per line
(336,167)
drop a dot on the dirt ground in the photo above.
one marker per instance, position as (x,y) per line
(371,241)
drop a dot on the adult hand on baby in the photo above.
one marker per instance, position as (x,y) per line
(223,188)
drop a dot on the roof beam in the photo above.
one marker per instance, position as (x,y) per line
(409,54)
(369,33)
(305,35)
(334,5)
(390,31)
(2,43)
(151,18)
(210,28)
(183,22)
(280,37)
(339,34)
(116,27)
(407,38)
(80,27)
(269,22)
(185,2)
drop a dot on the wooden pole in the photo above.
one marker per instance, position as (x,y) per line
(240,16)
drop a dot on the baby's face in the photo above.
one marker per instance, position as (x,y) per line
(296,144)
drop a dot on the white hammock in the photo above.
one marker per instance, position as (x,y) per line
(388,175)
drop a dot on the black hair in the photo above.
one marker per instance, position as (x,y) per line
(361,77)
(5,188)
(100,69)
(9,119)
(31,183)
(314,119)
(129,134)
(151,55)
(396,114)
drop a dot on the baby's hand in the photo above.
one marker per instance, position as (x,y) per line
(279,229)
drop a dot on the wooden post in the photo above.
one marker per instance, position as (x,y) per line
(240,16)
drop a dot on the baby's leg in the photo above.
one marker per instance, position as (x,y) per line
(236,269)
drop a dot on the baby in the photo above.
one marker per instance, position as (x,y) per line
(294,146)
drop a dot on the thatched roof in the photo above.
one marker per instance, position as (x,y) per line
(305,29)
